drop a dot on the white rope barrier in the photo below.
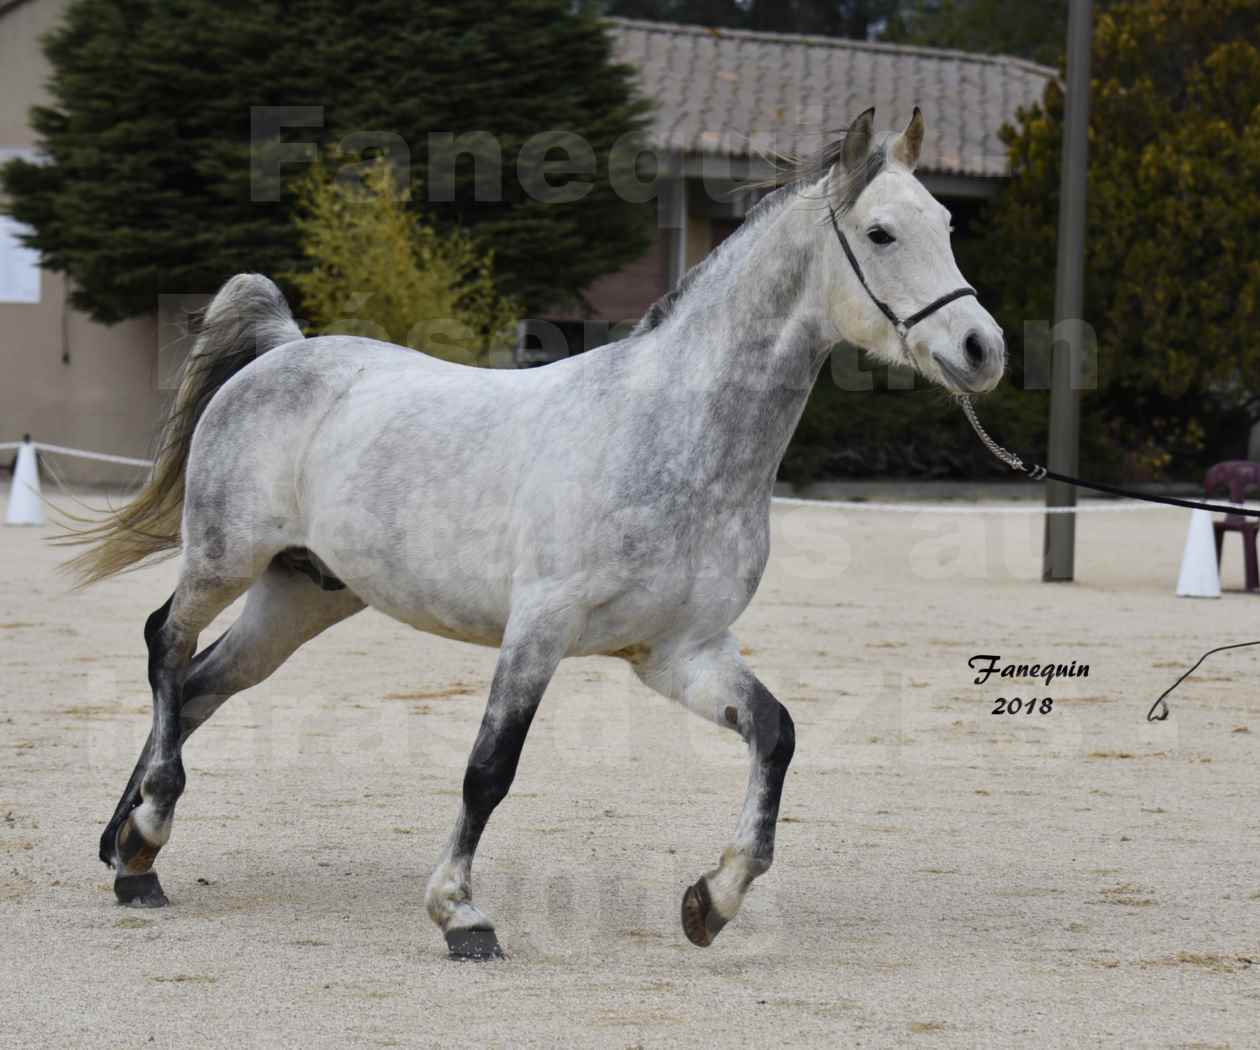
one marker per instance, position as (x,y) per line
(973,508)
(788,501)
(104,457)
(61,450)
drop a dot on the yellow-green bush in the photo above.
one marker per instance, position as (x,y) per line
(377,270)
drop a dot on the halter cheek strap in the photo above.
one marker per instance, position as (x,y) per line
(902,326)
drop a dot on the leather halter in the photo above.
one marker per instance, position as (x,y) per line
(902,326)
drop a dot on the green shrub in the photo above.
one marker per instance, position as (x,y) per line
(377,270)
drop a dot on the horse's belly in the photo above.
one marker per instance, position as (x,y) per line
(465,608)
(441,576)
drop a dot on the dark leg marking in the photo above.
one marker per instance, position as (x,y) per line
(774,740)
(152,629)
(491,770)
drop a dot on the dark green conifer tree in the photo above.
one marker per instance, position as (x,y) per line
(155,180)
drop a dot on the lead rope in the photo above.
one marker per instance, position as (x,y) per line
(1039,473)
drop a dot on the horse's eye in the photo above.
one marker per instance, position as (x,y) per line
(879,235)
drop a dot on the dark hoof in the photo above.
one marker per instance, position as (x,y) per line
(467,945)
(700,920)
(140,891)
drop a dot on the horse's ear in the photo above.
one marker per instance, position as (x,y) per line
(905,148)
(857,140)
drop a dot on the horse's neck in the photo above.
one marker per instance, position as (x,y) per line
(745,347)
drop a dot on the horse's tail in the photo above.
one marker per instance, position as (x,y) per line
(248,317)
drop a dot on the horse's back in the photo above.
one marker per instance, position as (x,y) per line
(257,452)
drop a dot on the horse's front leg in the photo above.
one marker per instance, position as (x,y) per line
(714,681)
(527,660)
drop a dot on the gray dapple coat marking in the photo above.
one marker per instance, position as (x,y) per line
(613,503)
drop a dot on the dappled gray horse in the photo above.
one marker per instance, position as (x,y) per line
(616,503)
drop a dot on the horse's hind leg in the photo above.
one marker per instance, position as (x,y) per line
(284,609)
(714,681)
(171,634)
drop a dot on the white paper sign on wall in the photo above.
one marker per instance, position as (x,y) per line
(19,265)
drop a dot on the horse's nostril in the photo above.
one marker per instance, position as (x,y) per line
(973,350)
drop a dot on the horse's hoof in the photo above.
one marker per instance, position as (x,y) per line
(140,891)
(700,920)
(468,945)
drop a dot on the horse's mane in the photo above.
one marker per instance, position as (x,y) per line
(792,175)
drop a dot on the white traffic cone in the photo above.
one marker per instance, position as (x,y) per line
(26,507)
(1200,577)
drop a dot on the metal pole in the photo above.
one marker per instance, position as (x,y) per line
(1059,557)
(678,242)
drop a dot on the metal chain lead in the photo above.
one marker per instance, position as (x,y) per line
(1004,455)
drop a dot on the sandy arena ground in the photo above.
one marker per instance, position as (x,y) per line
(945,877)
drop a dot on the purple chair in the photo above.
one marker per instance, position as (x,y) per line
(1237,475)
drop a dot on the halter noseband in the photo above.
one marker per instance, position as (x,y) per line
(902,326)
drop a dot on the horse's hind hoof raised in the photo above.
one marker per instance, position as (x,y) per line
(140,891)
(473,945)
(700,920)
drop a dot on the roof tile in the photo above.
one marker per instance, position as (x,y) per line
(735,92)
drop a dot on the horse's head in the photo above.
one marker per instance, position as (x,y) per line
(907,302)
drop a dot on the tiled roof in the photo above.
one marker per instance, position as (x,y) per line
(739,93)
